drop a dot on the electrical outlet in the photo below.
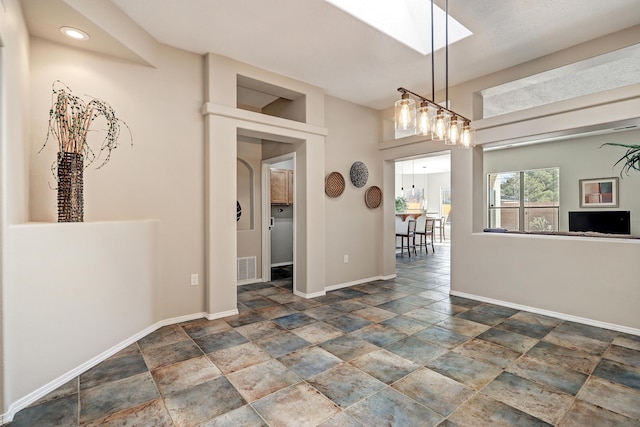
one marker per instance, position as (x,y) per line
(194,279)
(346,259)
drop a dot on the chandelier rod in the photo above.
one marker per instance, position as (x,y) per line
(413,174)
(433,61)
(446,51)
(430,101)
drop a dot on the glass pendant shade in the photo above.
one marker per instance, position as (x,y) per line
(466,138)
(424,119)
(432,118)
(453,136)
(405,114)
(439,126)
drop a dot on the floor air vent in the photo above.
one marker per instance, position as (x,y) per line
(246,269)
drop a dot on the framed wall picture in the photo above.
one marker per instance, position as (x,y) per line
(599,193)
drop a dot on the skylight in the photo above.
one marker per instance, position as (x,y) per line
(407,21)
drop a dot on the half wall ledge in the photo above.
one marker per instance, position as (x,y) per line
(563,233)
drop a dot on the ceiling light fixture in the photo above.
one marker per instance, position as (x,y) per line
(431,118)
(74,33)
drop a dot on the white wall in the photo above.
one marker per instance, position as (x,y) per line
(82,289)
(16,112)
(592,279)
(250,229)
(351,227)
(160,177)
(589,278)
(14,148)
(549,273)
(223,122)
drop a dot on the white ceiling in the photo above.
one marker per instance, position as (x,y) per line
(313,41)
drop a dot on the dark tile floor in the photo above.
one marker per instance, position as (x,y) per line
(389,353)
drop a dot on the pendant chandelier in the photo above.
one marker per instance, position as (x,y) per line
(432,119)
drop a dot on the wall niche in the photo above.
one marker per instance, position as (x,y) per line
(266,98)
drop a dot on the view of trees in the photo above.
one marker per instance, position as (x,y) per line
(535,210)
(540,186)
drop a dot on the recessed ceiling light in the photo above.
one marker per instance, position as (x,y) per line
(74,33)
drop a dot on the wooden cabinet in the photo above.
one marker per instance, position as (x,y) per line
(281,187)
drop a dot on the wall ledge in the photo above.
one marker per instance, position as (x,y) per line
(36,224)
(575,236)
(209,108)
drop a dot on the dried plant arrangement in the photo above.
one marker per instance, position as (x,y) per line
(70,121)
(630,160)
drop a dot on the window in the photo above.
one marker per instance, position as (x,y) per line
(524,200)
(567,82)
(445,201)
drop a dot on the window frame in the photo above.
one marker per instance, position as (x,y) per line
(522,207)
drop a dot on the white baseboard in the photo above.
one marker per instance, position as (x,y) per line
(34,396)
(313,295)
(344,285)
(555,314)
(214,316)
(250,281)
(282,264)
(357,282)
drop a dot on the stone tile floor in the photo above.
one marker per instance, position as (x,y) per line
(389,353)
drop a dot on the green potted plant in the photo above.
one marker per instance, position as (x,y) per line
(630,160)
(70,120)
(401,204)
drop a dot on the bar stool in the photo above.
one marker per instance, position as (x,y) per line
(440,223)
(410,235)
(425,233)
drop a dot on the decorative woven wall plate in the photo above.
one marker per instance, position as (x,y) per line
(373,197)
(334,184)
(359,174)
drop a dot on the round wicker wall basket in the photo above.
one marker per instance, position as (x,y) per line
(373,197)
(334,184)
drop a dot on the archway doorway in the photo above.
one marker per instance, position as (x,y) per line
(422,189)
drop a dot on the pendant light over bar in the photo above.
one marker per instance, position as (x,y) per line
(432,119)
